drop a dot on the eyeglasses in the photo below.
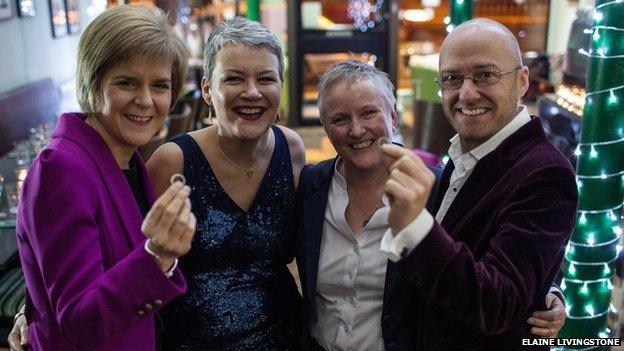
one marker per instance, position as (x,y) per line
(481,79)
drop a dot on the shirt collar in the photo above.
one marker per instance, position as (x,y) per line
(455,151)
(339,188)
(339,180)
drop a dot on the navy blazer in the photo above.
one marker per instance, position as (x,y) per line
(311,202)
(474,280)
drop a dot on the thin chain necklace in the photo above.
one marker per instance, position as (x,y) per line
(369,216)
(248,171)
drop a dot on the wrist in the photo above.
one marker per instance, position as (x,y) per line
(18,315)
(167,264)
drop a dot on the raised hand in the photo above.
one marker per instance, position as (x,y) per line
(170,224)
(408,185)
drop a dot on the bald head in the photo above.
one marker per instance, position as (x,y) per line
(479,109)
(482,29)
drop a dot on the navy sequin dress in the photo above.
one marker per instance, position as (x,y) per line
(240,295)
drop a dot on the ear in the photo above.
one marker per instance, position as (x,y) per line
(395,118)
(523,81)
(205,85)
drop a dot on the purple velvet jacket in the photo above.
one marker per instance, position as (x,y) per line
(474,280)
(89,280)
(489,264)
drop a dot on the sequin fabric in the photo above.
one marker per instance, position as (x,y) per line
(241,295)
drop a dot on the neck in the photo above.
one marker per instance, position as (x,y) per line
(122,155)
(369,181)
(246,153)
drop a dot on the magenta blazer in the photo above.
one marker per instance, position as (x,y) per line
(91,285)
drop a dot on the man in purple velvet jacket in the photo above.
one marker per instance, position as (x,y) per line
(504,209)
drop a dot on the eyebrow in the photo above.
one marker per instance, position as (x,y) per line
(369,106)
(162,79)
(487,65)
(241,72)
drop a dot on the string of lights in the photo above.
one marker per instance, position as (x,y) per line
(593,247)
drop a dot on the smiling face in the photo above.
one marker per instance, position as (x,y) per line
(244,90)
(355,115)
(135,98)
(477,113)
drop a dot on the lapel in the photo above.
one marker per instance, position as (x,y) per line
(72,127)
(392,278)
(313,218)
(441,188)
(484,175)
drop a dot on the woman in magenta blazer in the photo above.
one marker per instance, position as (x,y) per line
(99,265)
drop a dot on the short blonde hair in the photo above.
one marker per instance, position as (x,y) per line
(122,34)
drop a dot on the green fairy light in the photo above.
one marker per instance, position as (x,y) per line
(585,289)
(613,100)
(583,218)
(461,11)
(598,17)
(593,153)
(590,309)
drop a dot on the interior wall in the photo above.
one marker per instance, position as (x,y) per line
(30,53)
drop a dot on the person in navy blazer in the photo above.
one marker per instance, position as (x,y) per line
(98,262)
(470,283)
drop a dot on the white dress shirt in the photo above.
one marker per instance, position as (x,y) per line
(351,277)
(415,232)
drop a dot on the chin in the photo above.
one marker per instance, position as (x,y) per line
(139,141)
(363,164)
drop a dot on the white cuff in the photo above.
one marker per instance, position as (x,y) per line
(558,292)
(169,272)
(396,247)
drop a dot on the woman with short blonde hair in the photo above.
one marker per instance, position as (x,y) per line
(98,261)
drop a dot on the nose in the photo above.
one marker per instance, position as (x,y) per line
(143,98)
(251,91)
(357,128)
(468,91)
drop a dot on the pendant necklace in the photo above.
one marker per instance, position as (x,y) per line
(248,171)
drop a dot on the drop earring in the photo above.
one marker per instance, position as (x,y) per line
(210,116)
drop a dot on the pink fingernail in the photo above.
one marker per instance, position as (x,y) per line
(381,141)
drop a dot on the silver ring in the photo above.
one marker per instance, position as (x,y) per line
(178,177)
